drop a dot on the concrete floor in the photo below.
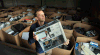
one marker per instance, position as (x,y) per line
(6,50)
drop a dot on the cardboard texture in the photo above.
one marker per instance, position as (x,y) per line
(24,43)
(54,15)
(68,32)
(18,11)
(32,11)
(67,23)
(6,37)
(49,13)
(86,27)
(3,19)
(9,38)
(48,20)
(0,35)
(66,15)
(2,15)
(73,21)
(59,51)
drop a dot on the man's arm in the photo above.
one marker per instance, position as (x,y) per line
(31,39)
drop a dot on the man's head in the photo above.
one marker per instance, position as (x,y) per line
(40,15)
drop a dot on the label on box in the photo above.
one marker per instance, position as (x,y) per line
(25,35)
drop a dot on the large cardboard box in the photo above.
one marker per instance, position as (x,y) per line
(73,21)
(68,32)
(49,13)
(3,19)
(48,20)
(5,37)
(28,17)
(59,51)
(24,43)
(86,40)
(54,15)
(18,11)
(0,35)
(86,27)
(2,15)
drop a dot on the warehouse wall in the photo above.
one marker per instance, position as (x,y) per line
(55,3)
(29,2)
(8,3)
(60,3)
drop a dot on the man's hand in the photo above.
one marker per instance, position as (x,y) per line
(35,36)
(67,42)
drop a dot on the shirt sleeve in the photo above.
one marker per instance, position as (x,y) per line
(31,39)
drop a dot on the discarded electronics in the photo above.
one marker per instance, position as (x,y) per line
(30,14)
(50,35)
(15,18)
(10,31)
(4,24)
(91,48)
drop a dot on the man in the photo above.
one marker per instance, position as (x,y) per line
(32,38)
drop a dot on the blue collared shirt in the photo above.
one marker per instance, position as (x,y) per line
(32,40)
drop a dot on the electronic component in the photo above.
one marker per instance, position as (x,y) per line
(50,35)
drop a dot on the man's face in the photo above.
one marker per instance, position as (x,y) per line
(40,16)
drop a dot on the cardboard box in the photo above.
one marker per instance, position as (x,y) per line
(2,19)
(85,39)
(2,15)
(86,27)
(49,13)
(68,32)
(5,37)
(73,21)
(68,17)
(17,47)
(27,17)
(54,15)
(48,20)
(18,11)
(59,51)
(0,35)
(24,43)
